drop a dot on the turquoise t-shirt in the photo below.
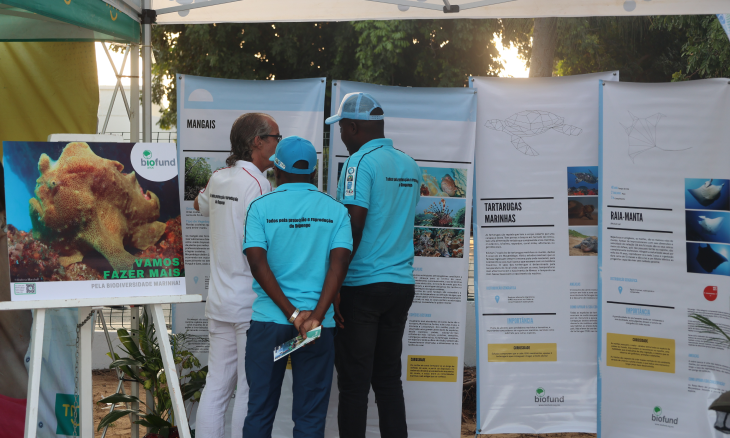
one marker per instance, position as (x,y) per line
(387,182)
(298,226)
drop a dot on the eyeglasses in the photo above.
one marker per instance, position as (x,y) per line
(278,137)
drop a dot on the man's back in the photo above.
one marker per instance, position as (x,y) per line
(225,200)
(305,224)
(386,181)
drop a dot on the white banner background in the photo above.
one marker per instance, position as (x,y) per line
(658,372)
(536,319)
(435,126)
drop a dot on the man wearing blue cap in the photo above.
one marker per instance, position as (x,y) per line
(380,187)
(298,242)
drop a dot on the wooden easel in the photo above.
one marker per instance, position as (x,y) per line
(153,305)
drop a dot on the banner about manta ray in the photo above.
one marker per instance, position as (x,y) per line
(535,247)
(664,257)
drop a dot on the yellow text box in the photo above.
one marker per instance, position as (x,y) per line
(522,352)
(640,352)
(432,368)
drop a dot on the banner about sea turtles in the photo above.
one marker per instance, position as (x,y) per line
(93,220)
(664,262)
(436,127)
(536,245)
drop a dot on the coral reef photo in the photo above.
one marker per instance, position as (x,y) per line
(444,212)
(85,218)
(583,181)
(443,182)
(438,242)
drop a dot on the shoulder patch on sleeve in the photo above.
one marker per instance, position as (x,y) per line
(350,180)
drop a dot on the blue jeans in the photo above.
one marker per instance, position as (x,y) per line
(312,368)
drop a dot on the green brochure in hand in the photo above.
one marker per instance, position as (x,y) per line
(294,344)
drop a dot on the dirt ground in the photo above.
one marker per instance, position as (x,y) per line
(577,251)
(105,384)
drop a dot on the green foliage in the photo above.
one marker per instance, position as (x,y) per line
(151,375)
(573,233)
(197,171)
(712,328)
(425,53)
(434,53)
(705,48)
(631,45)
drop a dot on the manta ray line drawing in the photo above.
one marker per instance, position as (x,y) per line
(642,135)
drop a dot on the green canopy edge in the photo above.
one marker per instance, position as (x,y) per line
(106,22)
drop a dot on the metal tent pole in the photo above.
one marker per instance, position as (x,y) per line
(134,138)
(134,92)
(148,17)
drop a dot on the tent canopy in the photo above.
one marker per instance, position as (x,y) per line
(251,11)
(65,20)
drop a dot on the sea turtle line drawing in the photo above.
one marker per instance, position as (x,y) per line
(529,124)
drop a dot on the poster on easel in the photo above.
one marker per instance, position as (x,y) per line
(92,220)
(85,220)
(436,127)
(536,245)
(664,261)
(207,108)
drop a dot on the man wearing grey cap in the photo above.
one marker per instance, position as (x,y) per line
(379,186)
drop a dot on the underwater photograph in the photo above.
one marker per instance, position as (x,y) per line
(708,226)
(583,211)
(444,212)
(438,242)
(583,181)
(583,241)
(706,194)
(708,258)
(78,211)
(443,182)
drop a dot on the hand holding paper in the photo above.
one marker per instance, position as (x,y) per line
(292,345)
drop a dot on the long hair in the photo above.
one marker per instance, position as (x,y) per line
(243,132)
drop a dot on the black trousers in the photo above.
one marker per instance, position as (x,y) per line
(368,352)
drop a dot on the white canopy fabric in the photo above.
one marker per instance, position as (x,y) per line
(252,11)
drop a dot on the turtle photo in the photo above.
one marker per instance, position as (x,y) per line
(529,124)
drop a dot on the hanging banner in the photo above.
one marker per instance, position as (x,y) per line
(435,126)
(664,258)
(207,108)
(536,246)
(92,220)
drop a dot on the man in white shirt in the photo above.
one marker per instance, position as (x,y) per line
(225,200)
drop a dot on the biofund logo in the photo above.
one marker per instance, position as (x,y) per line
(660,419)
(154,161)
(150,162)
(546,400)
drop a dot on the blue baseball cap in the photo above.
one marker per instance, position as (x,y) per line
(293,149)
(356,106)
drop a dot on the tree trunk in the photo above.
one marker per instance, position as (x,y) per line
(544,42)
